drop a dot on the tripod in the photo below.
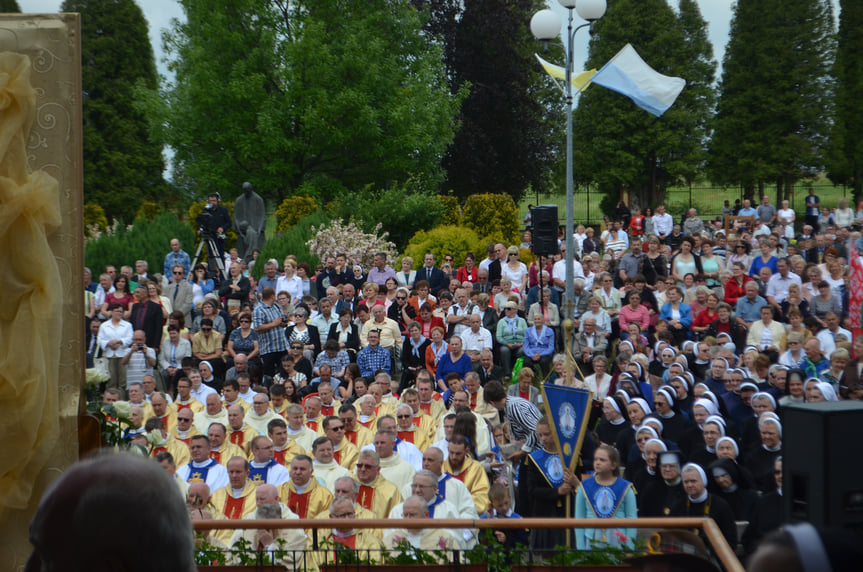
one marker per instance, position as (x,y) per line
(213,258)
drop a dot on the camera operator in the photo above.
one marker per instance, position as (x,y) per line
(139,360)
(213,223)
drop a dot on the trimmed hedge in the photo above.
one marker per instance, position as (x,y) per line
(448,239)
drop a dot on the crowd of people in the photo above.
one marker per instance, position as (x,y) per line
(353,392)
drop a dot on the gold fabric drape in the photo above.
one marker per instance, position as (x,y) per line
(30,321)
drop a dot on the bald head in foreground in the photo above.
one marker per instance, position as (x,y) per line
(94,499)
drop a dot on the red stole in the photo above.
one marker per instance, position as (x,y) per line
(459,476)
(216,455)
(279,456)
(180,406)
(473,397)
(299,503)
(337,456)
(425,407)
(327,410)
(187,440)
(237,437)
(366,424)
(366,496)
(164,421)
(407,436)
(234,507)
(349,541)
(158,450)
(351,436)
(313,425)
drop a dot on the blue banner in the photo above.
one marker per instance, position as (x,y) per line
(568,408)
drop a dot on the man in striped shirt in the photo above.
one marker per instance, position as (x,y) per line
(521,414)
(268,321)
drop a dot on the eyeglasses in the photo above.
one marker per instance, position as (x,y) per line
(296,347)
(180,273)
(206,329)
(339,428)
(187,419)
(366,466)
(404,416)
(401,298)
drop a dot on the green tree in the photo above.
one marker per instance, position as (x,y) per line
(845,156)
(774,110)
(622,148)
(504,143)
(122,166)
(305,97)
(9,7)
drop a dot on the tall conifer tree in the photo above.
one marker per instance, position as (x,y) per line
(774,110)
(122,166)
(845,158)
(622,148)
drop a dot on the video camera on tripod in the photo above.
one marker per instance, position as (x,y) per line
(208,226)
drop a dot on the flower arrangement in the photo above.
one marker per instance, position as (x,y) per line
(360,247)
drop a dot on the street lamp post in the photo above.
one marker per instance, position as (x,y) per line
(545,25)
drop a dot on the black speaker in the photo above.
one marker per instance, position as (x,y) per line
(544,233)
(822,463)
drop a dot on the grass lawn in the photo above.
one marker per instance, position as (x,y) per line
(707,199)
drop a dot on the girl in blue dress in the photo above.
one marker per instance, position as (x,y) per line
(605,495)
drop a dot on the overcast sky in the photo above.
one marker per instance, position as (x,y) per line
(159,13)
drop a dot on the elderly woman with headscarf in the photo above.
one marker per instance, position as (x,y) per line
(665,404)
(750,435)
(660,495)
(636,408)
(821,391)
(700,503)
(714,429)
(614,419)
(730,487)
(760,460)
(648,472)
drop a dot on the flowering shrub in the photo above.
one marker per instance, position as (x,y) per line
(347,238)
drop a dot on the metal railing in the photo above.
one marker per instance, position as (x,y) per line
(708,526)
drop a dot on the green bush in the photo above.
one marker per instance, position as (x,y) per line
(452,209)
(292,210)
(449,239)
(401,211)
(494,217)
(145,240)
(292,241)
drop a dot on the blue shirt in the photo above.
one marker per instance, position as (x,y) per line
(272,340)
(542,344)
(177,259)
(372,359)
(749,311)
(747,212)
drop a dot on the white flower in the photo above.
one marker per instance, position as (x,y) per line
(122,409)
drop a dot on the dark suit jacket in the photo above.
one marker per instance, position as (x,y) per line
(342,304)
(148,317)
(496,373)
(437,280)
(494,270)
(353,337)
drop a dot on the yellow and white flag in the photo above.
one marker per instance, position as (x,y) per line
(579,82)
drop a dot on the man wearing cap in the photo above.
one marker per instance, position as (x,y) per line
(700,503)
